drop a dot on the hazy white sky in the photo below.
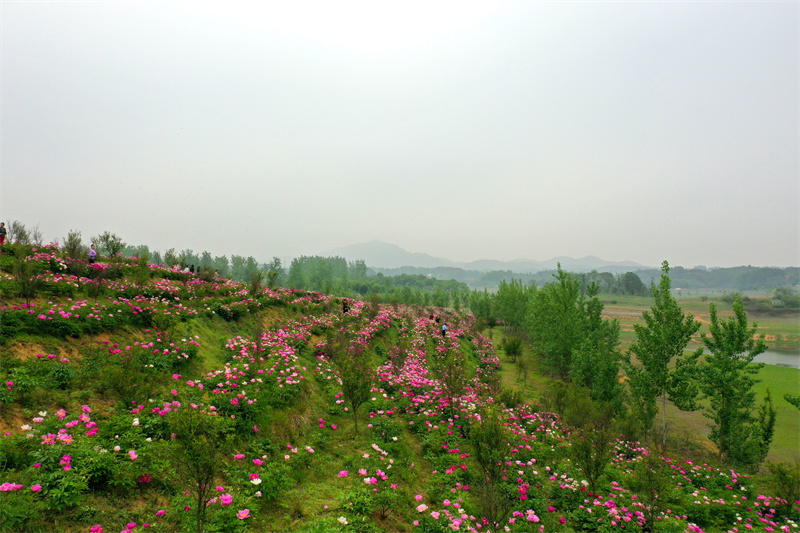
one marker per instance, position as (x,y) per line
(635,131)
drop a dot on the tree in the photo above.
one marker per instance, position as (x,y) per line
(73,246)
(110,243)
(355,372)
(726,380)
(488,436)
(511,303)
(170,258)
(201,446)
(18,233)
(663,336)
(556,322)
(596,360)
(632,284)
(256,277)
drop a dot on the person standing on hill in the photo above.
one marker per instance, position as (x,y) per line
(92,255)
(444,330)
(3,233)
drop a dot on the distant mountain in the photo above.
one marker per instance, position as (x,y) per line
(379,254)
(384,255)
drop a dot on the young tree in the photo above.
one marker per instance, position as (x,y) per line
(170,258)
(663,336)
(488,436)
(726,380)
(18,233)
(256,277)
(557,321)
(596,360)
(110,243)
(73,244)
(511,303)
(355,372)
(36,235)
(200,448)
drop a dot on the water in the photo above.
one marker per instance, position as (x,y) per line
(774,357)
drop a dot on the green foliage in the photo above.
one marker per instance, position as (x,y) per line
(557,322)
(793,399)
(512,347)
(511,303)
(256,277)
(26,275)
(662,338)
(651,484)
(170,258)
(18,233)
(493,498)
(199,450)
(591,451)
(596,360)
(73,245)
(785,481)
(726,380)
(356,374)
(110,243)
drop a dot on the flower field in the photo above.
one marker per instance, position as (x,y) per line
(168,403)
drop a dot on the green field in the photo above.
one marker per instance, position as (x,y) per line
(689,431)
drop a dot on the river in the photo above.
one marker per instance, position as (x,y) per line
(774,357)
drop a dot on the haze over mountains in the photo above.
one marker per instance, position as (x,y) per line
(379,254)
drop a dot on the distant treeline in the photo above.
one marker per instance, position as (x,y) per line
(733,278)
(333,275)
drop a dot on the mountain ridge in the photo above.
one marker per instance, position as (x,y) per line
(380,254)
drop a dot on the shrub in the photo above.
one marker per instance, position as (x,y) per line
(786,482)
(591,451)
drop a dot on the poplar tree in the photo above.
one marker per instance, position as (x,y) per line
(663,336)
(726,378)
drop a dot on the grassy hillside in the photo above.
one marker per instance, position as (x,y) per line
(139,397)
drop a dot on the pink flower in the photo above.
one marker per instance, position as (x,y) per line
(226,499)
(36,488)
(435,515)
(257,462)
(562,520)
(418,497)
(421,507)
(133,455)
(244,513)
(343,473)
(161,512)
(96,529)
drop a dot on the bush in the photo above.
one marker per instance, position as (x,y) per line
(786,482)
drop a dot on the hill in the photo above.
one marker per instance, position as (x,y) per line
(383,255)
(138,396)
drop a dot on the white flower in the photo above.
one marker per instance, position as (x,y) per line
(135,421)
(42,413)
(343,520)
(26,427)
(255,481)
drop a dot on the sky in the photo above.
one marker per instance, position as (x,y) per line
(637,131)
